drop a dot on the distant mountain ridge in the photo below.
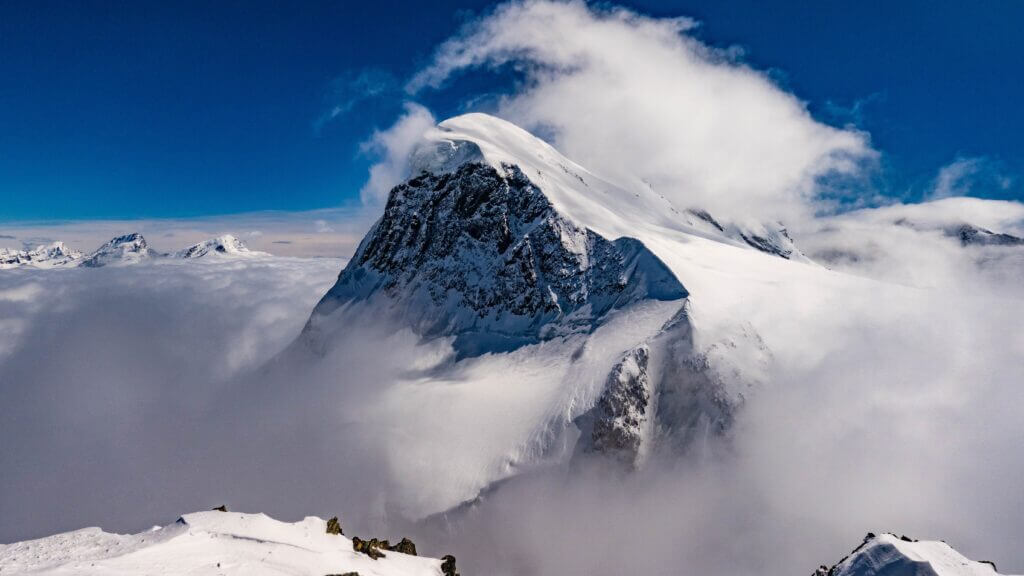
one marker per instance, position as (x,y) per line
(127,249)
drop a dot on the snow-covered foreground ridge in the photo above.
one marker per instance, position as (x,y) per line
(891,555)
(212,543)
(226,543)
(121,250)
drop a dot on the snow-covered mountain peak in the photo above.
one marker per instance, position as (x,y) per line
(126,249)
(891,555)
(577,194)
(42,256)
(502,250)
(224,245)
(589,201)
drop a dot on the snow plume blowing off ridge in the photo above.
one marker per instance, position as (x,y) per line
(647,105)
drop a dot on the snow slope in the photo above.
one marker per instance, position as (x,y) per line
(211,543)
(889,555)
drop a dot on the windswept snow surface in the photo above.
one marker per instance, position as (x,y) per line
(211,543)
(889,555)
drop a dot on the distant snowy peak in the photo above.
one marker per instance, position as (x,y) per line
(213,543)
(128,249)
(971,235)
(889,555)
(122,250)
(225,245)
(966,233)
(43,256)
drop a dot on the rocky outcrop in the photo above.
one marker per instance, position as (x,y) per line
(615,426)
(371,548)
(375,548)
(334,527)
(673,391)
(448,566)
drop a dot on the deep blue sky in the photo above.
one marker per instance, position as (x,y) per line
(124,109)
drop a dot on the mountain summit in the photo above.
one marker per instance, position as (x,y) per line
(127,249)
(541,274)
(224,245)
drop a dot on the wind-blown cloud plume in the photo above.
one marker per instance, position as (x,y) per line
(394,145)
(641,101)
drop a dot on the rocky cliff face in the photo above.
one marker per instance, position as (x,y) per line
(618,425)
(127,249)
(485,257)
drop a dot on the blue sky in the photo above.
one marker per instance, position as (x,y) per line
(145,109)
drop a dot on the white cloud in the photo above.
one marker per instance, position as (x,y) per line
(394,145)
(956,178)
(919,244)
(967,176)
(638,100)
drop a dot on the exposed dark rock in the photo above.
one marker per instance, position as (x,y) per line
(448,566)
(616,423)
(971,235)
(334,527)
(375,548)
(487,258)
(371,548)
(221,508)
(405,546)
(706,216)
(772,246)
